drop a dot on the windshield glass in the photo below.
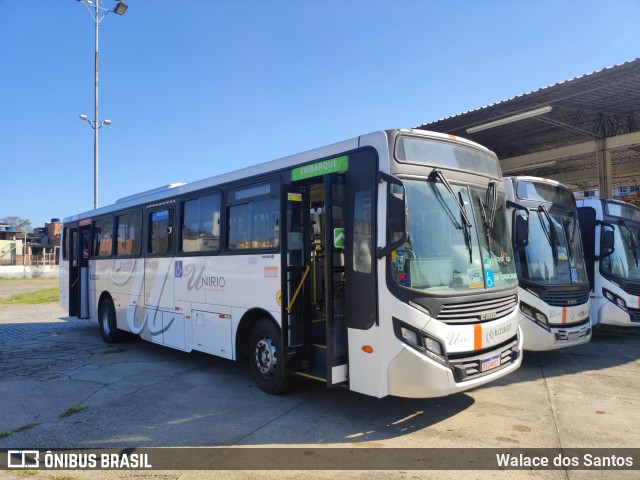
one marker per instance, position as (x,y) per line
(625,260)
(440,153)
(442,252)
(554,255)
(495,241)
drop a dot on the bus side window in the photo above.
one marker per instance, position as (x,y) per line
(362,232)
(128,234)
(201,224)
(161,231)
(102,237)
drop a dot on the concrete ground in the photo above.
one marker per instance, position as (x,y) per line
(136,394)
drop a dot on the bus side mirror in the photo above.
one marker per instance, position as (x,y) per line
(521,235)
(397,212)
(609,240)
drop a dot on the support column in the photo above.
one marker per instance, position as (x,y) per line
(605,178)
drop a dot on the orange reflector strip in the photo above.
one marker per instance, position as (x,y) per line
(564,315)
(367,349)
(477,337)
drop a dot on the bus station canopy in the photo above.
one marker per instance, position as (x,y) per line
(583,132)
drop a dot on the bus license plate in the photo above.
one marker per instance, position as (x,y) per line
(489,363)
(574,335)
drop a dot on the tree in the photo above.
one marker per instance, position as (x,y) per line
(20,224)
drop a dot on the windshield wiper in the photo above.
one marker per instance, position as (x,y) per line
(467,233)
(631,242)
(492,194)
(489,219)
(466,224)
(569,238)
(552,236)
(438,174)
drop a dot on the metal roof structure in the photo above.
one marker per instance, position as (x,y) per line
(583,132)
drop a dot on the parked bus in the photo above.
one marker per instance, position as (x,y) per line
(554,290)
(381,263)
(611,237)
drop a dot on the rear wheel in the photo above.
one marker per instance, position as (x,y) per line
(267,358)
(107,321)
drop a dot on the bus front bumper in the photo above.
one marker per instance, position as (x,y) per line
(538,339)
(412,374)
(610,314)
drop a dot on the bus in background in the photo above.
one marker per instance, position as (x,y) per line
(554,290)
(611,237)
(381,264)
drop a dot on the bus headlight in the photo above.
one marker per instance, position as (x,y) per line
(534,315)
(612,297)
(410,336)
(542,319)
(418,340)
(433,346)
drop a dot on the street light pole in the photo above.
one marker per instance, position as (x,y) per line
(98,14)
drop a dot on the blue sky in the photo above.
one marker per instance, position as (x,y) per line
(201,87)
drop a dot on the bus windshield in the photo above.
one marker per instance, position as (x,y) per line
(445,154)
(554,255)
(445,253)
(624,262)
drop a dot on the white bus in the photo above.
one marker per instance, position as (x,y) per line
(611,237)
(381,263)
(554,290)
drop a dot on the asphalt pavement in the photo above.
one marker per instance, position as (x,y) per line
(62,387)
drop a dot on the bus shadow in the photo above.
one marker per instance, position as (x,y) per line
(341,417)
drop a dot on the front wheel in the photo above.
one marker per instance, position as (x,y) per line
(267,358)
(107,321)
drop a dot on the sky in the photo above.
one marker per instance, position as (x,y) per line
(202,87)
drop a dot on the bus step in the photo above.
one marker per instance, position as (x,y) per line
(318,368)
(319,332)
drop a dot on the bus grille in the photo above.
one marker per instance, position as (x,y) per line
(471,367)
(477,312)
(631,288)
(634,313)
(566,298)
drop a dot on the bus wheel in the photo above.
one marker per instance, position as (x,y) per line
(266,358)
(107,321)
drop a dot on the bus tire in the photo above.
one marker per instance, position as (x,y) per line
(266,358)
(107,322)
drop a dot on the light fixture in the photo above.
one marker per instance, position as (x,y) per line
(511,119)
(120,8)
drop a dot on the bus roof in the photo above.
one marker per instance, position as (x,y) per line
(379,139)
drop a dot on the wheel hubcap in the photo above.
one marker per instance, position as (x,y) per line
(105,322)
(265,356)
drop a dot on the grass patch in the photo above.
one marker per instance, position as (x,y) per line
(19,429)
(73,410)
(37,297)
(114,350)
(24,473)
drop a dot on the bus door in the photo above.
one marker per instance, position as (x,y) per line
(313,308)
(79,242)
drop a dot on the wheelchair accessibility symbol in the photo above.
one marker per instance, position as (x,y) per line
(489,280)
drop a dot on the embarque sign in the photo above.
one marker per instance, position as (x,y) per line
(333,165)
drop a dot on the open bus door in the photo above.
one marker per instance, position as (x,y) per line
(79,244)
(314,332)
